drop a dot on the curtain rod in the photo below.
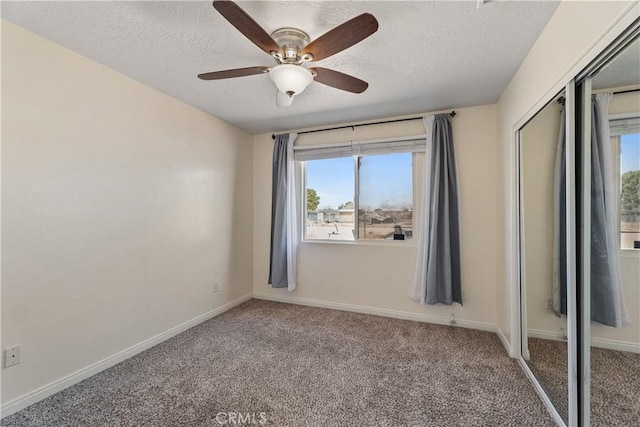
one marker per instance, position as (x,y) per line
(452,114)
(626,91)
(618,92)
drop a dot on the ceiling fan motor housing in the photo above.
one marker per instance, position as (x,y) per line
(291,41)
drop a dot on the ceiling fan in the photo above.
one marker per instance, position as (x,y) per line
(292,49)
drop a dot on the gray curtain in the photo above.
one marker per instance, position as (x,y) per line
(282,268)
(437,277)
(607,305)
(560,225)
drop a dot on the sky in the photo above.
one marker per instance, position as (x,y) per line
(384,179)
(332,179)
(629,152)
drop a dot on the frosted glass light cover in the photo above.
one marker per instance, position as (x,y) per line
(290,78)
(283,100)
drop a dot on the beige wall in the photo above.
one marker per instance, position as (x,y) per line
(624,103)
(379,275)
(120,207)
(573,37)
(538,143)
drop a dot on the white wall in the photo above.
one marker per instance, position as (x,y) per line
(574,36)
(120,207)
(378,275)
(538,143)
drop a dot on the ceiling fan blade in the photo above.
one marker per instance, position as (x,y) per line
(343,36)
(238,72)
(340,80)
(283,100)
(246,25)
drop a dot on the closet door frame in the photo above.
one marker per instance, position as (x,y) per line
(583,233)
(571,256)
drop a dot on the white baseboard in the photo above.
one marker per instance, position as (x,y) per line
(545,335)
(505,342)
(384,312)
(632,347)
(75,377)
(616,345)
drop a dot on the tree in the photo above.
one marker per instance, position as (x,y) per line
(346,205)
(313,200)
(630,193)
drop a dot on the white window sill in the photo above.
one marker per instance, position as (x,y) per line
(630,253)
(382,243)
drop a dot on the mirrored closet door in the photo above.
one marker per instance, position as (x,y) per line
(610,252)
(542,157)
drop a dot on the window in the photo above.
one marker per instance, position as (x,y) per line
(385,188)
(359,192)
(329,194)
(630,191)
(626,143)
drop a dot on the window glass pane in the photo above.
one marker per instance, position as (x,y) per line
(329,192)
(385,208)
(630,191)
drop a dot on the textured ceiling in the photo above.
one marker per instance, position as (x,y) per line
(426,56)
(624,70)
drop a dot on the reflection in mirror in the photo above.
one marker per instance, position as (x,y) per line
(544,322)
(615,241)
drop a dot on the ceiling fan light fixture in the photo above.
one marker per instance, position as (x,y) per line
(290,78)
(283,100)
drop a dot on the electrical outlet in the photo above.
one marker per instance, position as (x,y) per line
(216,287)
(12,356)
(549,304)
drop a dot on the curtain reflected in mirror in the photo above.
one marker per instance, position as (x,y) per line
(542,248)
(615,241)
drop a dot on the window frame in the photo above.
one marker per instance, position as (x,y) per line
(616,138)
(356,186)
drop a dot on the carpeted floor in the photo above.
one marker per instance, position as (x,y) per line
(615,381)
(548,362)
(301,366)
